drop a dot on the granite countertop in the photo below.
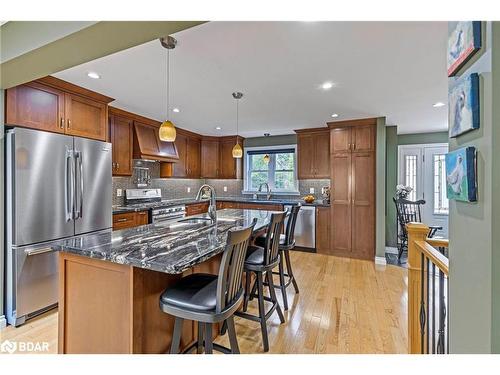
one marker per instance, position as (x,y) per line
(170,247)
(173,202)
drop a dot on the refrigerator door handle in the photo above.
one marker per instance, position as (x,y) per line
(78,156)
(69,185)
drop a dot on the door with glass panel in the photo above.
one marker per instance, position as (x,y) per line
(422,167)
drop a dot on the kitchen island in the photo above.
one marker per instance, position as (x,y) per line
(110,282)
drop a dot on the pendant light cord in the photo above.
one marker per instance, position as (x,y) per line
(168,84)
(237,120)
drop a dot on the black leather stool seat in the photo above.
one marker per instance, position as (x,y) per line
(255,255)
(197,292)
(260,241)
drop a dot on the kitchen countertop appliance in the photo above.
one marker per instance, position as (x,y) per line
(57,187)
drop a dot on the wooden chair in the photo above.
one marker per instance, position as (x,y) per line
(409,212)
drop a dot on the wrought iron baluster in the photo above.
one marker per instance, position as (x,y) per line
(427,303)
(433,308)
(442,314)
(422,304)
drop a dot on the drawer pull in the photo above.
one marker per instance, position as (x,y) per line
(122,220)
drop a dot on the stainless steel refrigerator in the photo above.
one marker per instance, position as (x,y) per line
(57,186)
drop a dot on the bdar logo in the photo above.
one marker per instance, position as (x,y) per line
(8,347)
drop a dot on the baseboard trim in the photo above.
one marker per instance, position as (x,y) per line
(391,250)
(380,261)
(3,322)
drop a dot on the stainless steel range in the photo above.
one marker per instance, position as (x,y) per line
(159,211)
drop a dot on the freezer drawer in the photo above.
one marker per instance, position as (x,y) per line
(32,281)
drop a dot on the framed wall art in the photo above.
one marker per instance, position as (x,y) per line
(461,182)
(463,42)
(463,105)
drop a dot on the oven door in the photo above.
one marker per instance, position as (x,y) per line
(167,218)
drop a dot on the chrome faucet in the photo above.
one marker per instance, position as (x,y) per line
(212,208)
(268,191)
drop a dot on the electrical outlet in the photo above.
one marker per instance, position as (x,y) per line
(189,189)
(119,192)
(225,188)
(311,190)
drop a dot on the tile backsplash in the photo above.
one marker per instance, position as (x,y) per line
(174,188)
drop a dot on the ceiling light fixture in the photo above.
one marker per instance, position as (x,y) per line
(237,150)
(176,110)
(335,115)
(218,128)
(438,104)
(327,86)
(167,130)
(93,75)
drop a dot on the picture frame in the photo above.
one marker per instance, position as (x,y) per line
(464,105)
(461,180)
(463,42)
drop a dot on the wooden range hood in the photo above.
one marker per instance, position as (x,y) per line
(147,144)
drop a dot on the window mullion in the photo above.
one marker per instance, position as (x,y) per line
(272,170)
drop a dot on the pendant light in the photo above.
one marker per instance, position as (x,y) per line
(167,130)
(237,150)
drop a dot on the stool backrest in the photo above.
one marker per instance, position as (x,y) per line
(293,212)
(272,242)
(229,283)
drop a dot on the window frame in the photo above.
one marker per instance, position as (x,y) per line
(272,169)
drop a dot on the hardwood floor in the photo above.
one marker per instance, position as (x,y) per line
(344,306)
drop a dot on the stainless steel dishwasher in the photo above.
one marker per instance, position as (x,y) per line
(305,227)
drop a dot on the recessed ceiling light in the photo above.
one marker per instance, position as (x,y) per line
(334,115)
(93,75)
(327,85)
(218,128)
(438,104)
(176,110)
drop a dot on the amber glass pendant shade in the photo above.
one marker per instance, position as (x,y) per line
(167,131)
(237,151)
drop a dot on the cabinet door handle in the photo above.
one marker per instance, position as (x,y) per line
(69,123)
(117,165)
(61,125)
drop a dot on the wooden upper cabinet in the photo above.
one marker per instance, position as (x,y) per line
(179,168)
(85,117)
(121,138)
(321,155)
(35,106)
(305,148)
(209,167)
(193,157)
(340,140)
(363,139)
(54,105)
(229,167)
(313,153)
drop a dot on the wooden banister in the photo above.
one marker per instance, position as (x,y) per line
(420,247)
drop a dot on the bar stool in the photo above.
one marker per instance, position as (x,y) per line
(210,299)
(287,242)
(262,260)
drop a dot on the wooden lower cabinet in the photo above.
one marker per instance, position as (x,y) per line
(323,230)
(107,308)
(249,206)
(196,208)
(130,219)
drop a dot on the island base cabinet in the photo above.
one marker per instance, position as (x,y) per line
(106,307)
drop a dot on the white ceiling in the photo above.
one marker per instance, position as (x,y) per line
(392,69)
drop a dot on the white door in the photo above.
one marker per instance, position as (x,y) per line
(422,168)
(436,207)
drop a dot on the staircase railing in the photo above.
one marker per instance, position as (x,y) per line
(428,271)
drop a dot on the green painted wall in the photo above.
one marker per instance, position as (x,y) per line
(473,228)
(422,138)
(380,191)
(275,140)
(391,167)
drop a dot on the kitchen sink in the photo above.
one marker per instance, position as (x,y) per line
(196,220)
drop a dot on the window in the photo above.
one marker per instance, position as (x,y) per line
(411,175)
(275,166)
(440,199)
